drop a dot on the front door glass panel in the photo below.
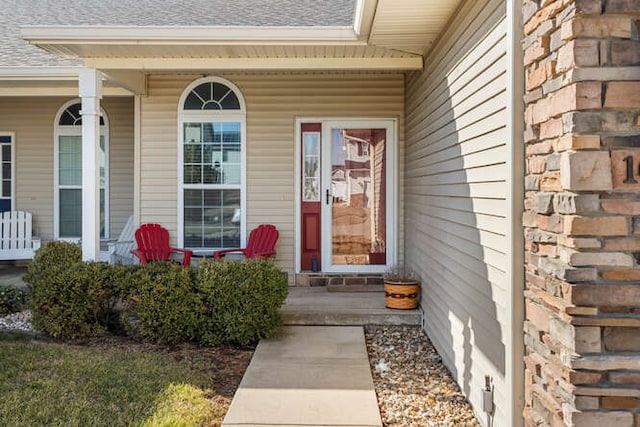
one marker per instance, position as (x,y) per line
(357,196)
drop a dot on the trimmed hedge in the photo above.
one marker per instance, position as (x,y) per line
(241,300)
(72,299)
(220,302)
(162,304)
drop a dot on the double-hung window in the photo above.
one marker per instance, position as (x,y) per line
(68,173)
(211,165)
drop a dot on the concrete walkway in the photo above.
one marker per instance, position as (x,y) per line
(307,376)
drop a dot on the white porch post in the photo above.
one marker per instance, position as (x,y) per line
(90,85)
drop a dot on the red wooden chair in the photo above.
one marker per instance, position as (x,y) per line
(153,245)
(262,243)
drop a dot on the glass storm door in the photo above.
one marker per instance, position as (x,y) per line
(357,233)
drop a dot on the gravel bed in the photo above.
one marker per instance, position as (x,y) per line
(414,388)
(20,321)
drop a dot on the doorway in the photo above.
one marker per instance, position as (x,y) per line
(347,193)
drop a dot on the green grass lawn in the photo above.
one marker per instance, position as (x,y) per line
(52,383)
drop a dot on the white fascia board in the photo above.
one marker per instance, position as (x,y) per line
(264,64)
(53,90)
(53,34)
(39,73)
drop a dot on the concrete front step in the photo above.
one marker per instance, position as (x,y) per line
(319,307)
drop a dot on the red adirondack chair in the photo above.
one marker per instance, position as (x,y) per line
(262,243)
(153,245)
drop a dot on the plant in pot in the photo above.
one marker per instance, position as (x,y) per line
(401,288)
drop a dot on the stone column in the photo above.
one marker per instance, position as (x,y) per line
(582,207)
(90,84)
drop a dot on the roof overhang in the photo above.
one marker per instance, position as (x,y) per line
(387,35)
(220,48)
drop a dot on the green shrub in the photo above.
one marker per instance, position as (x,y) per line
(12,300)
(241,300)
(71,299)
(53,255)
(162,305)
(75,302)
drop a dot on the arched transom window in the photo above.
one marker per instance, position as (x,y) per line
(211,165)
(68,173)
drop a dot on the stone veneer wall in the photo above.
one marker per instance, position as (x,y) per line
(582,212)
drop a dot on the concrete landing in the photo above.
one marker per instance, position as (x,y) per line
(317,306)
(307,376)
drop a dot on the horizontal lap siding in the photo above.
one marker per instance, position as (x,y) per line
(121,147)
(273,101)
(32,121)
(455,196)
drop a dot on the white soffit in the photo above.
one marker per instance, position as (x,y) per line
(163,48)
(410,26)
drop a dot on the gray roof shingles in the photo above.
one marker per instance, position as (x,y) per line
(15,52)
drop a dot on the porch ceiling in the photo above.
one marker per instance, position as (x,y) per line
(386,35)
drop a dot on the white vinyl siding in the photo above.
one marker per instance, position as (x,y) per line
(31,119)
(273,102)
(456,198)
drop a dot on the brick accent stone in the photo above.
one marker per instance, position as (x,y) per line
(618,340)
(609,259)
(622,275)
(551,128)
(622,95)
(609,295)
(595,226)
(625,378)
(578,96)
(587,403)
(599,419)
(629,208)
(584,377)
(623,6)
(567,203)
(619,402)
(578,53)
(577,142)
(582,222)
(550,181)
(586,171)
(597,27)
(624,52)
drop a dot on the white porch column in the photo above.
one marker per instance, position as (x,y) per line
(90,85)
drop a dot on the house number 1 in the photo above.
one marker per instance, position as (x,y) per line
(629,178)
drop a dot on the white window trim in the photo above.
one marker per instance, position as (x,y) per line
(77,131)
(393,230)
(219,116)
(12,135)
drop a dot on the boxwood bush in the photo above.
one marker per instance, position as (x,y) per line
(241,300)
(162,304)
(220,302)
(69,298)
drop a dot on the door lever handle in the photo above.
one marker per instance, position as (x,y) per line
(328,195)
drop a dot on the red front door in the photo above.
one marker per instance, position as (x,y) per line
(311,196)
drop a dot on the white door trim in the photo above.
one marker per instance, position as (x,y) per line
(392,190)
